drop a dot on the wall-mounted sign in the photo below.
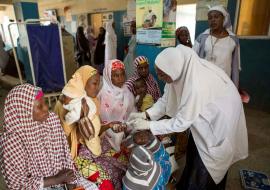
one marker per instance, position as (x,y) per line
(155,22)
(149,18)
(82,20)
(169,23)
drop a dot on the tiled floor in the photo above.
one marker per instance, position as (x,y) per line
(259,145)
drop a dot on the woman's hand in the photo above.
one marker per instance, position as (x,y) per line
(71,186)
(107,126)
(117,126)
(136,115)
(85,108)
(140,124)
(65,176)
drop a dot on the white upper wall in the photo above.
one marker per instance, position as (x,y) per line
(81,6)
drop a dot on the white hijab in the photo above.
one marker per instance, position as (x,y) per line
(115,104)
(201,88)
(118,94)
(192,76)
(110,43)
(227,20)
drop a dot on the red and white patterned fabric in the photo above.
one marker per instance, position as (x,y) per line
(115,104)
(152,86)
(117,65)
(30,150)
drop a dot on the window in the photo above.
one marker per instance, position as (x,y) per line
(186,16)
(254,18)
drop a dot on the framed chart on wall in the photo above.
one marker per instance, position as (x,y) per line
(106,17)
(82,20)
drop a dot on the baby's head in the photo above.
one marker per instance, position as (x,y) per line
(138,138)
(142,137)
(140,86)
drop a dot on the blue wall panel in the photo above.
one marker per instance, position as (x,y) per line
(122,41)
(29,10)
(255,74)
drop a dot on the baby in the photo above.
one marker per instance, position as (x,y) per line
(150,142)
(143,99)
(143,172)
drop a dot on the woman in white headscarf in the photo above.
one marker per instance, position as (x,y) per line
(89,33)
(219,44)
(116,101)
(110,42)
(200,97)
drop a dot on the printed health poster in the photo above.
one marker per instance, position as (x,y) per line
(149,21)
(169,23)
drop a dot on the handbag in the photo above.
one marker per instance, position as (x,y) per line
(85,125)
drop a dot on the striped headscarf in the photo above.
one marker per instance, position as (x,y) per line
(151,84)
(30,150)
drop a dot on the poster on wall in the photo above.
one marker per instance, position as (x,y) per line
(82,20)
(106,17)
(50,15)
(204,5)
(169,23)
(126,25)
(149,20)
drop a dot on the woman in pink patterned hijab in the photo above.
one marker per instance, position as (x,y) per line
(34,150)
(116,101)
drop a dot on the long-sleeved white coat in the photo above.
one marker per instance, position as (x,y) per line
(203,99)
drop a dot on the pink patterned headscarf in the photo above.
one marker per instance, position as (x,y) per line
(30,150)
(115,104)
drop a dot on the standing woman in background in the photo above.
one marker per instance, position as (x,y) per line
(183,36)
(128,61)
(219,45)
(110,42)
(82,46)
(89,33)
(100,51)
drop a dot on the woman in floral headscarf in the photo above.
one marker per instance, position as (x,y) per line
(116,101)
(110,42)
